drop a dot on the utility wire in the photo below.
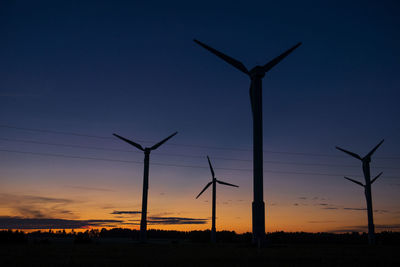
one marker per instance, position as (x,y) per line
(184,145)
(172,165)
(184,155)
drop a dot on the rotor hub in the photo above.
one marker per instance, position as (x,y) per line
(257,72)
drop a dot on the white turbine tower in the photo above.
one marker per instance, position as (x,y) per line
(213,182)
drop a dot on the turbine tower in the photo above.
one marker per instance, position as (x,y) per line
(367,187)
(146,150)
(214,182)
(255,74)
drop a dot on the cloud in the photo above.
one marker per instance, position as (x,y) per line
(126,212)
(381,211)
(87,188)
(321,221)
(8,222)
(30,212)
(326,206)
(295,204)
(173,220)
(363,209)
(30,206)
(176,220)
(8,198)
(303,198)
(160,214)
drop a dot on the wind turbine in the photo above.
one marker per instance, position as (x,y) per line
(367,187)
(255,74)
(214,182)
(146,150)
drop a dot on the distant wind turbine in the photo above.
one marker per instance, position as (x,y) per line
(146,150)
(367,187)
(213,182)
(256,74)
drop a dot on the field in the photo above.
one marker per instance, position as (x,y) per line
(128,253)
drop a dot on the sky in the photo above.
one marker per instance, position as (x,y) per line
(74,72)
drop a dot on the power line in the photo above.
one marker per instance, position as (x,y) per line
(172,165)
(185,155)
(55,132)
(183,145)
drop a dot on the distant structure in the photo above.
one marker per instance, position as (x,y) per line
(367,187)
(146,150)
(256,74)
(213,182)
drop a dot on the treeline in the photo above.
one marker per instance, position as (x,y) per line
(384,238)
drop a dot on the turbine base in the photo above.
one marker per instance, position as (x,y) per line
(258,223)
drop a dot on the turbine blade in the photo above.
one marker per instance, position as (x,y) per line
(211,168)
(237,64)
(279,58)
(221,182)
(350,153)
(205,188)
(129,142)
(373,180)
(163,141)
(374,149)
(354,181)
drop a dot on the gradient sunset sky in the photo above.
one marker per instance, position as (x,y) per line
(74,72)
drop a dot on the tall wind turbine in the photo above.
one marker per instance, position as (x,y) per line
(214,182)
(255,74)
(367,187)
(146,150)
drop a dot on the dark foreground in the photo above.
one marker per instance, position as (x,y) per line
(119,253)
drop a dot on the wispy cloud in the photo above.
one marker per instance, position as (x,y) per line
(321,221)
(90,188)
(8,222)
(354,209)
(173,220)
(10,198)
(28,211)
(176,220)
(364,209)
(126,212)
(30,206)
(327,206)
